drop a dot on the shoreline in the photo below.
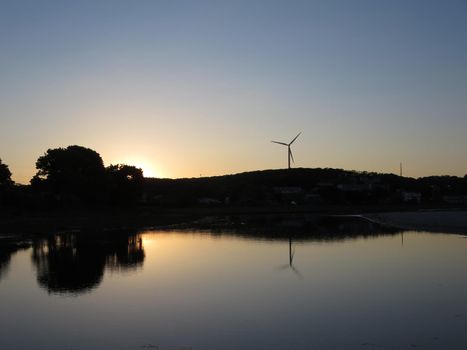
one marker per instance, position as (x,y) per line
(449,220)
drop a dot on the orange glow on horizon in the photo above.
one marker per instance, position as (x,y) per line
(145,165)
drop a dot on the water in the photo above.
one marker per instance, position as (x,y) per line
(195,290)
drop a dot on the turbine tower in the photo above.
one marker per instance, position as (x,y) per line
(289,153)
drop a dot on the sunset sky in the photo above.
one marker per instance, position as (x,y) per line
(190,88)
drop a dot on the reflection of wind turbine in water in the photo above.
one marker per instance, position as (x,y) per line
(289,153)
(291,256)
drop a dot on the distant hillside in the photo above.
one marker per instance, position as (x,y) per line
(302,185)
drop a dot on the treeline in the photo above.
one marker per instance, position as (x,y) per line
(73,176)
(76,176)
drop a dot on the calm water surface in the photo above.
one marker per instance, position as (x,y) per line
(188,290)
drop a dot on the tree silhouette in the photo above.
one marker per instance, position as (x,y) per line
(73,171)
(5,175)
(125,183)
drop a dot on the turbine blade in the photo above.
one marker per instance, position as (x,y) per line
(291,155)
(295,138)
(294,269)
(280,143)
(283,267)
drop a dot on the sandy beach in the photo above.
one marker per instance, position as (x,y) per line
(453,221)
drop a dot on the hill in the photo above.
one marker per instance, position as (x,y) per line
(304,186)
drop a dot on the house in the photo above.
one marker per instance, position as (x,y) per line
(411,197)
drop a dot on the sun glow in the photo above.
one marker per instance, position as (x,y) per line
(144,165)
(148,170)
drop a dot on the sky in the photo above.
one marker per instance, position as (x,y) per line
(200,88)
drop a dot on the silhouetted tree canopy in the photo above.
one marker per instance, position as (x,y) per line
(74,170)
(125,183)
(5,175)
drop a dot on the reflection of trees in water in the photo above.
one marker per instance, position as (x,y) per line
(292,228)
(67,263)
(306,227)
(75,263)
(6,251)
(5,256)
(128,255)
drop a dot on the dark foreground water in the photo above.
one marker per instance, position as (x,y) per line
(187,290)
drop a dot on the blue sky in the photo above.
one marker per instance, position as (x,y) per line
(183,88)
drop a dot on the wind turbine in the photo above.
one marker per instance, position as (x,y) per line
(290,155)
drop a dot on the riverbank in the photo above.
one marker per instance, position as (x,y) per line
(110,218)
